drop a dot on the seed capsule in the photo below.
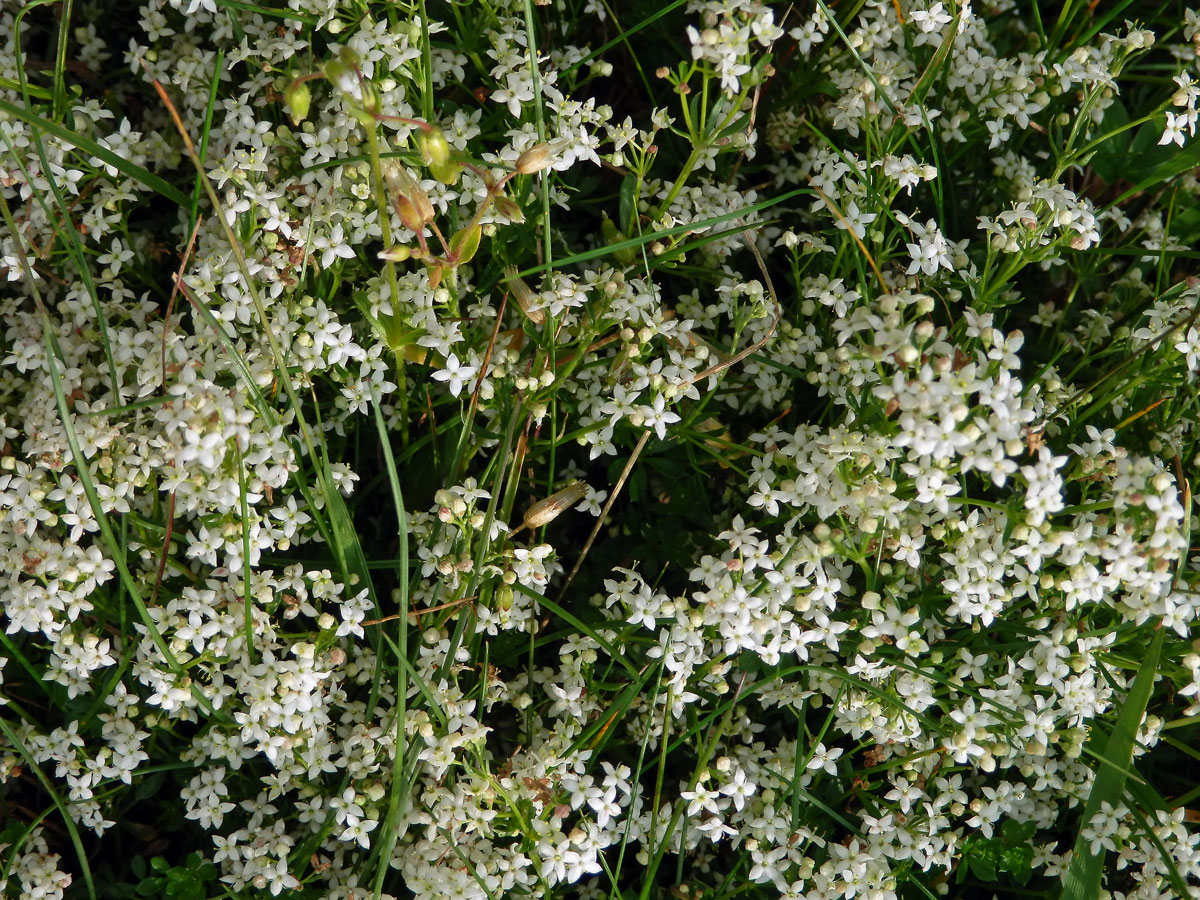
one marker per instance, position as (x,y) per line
(536,158)
(299,98)
(435,149)
(409,198)
(524,296)
(546,511)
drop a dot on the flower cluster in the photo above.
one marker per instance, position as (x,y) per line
(440,459)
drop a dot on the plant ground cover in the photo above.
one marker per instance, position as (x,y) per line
(697,449)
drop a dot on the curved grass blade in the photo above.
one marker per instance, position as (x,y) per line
(137,173)
(73,830)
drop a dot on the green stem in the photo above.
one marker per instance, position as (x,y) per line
(389,267)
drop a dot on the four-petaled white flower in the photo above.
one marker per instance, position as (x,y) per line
(455,374)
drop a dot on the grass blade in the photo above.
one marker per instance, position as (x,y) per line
(137,173)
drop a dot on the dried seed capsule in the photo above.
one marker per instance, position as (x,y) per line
(524,296)
(545,511)
(398,253)
(509,209)
(536,158)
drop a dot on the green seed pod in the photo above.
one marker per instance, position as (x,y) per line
(343,78)
(435,149)
(399,253)
(612,235)
(299,99)
(445,173)
(465,244)
(504,598)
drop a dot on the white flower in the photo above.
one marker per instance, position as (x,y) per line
(824,758)
(455,374)
(929,21)
(358,831)
(1174,129)
(741,788)
(855,219)
(1190,348)
(333,246)
(657,417)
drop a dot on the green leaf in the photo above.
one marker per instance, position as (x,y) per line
(346,545)
(151,887)
(983,865)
